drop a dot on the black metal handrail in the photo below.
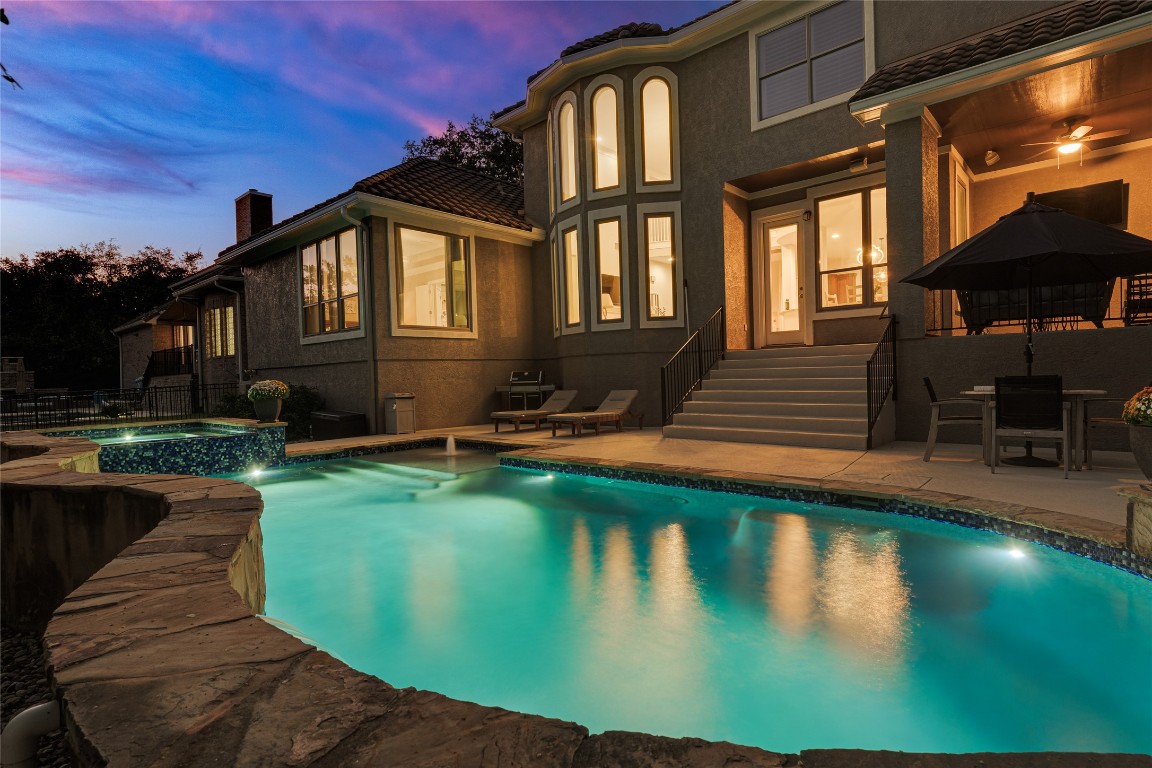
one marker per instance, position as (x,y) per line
(42,410)
(684,371)
(881,375)
(169,362)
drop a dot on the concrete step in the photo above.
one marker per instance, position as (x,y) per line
(857,410)
(780,372)
(816,424)
(770,353)
(769,437)
(806,361)
(825,396)
(788,383)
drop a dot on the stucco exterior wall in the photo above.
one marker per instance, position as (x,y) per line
(135,348)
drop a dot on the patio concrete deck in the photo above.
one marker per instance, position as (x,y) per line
(954,469)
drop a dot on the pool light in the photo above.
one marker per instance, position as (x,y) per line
(1016,552)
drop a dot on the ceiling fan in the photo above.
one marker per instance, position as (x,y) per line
(1074,139)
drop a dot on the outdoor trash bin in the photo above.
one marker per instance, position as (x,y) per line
(399,413)
(330,425)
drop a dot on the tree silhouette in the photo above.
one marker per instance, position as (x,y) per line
(4,69)
(478,146)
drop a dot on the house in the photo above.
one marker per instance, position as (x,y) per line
(789,162)
(771,169)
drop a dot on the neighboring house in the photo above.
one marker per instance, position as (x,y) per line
(157,346)
(789,162)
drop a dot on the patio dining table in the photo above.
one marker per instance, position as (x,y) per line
(1074,396)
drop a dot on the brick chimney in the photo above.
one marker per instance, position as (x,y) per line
(253,214)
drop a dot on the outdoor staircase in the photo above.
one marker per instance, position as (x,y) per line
(815,397)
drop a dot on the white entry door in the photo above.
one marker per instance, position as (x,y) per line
(781,249)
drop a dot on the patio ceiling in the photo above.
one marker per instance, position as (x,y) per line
(1110,92)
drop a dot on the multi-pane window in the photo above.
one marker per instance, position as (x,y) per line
(608,270)
(656,130)
(220,332)
(567,150)
(570,245)
(852,241)
(331,284)
(660,265)
(432,280)
(605,139)
(811,59)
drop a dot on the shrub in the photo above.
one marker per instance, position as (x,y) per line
(297,410)
(234,407)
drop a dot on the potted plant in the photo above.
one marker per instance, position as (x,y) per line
(1138,415)
(267,398)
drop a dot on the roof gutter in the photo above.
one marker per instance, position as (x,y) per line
(276,232)
(1091,43)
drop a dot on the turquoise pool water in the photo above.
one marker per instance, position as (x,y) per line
(639,607)
(149,437)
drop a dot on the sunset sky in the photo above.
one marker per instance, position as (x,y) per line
(140,122)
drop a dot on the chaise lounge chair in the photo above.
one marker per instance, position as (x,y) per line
(560,401)
(612,411)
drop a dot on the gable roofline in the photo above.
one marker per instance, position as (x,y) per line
(900,101)
(426,187)
(673,45)
(373,205)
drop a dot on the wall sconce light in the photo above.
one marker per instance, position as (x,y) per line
(858,164)
(991,157)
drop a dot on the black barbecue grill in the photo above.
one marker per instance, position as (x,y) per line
(524,391)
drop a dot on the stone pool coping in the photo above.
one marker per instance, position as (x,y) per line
(159,659)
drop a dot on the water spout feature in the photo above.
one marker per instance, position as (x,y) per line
(450,445)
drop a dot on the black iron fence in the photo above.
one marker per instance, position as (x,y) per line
(1107,303)
(881,375)
(682,374)
(107,407)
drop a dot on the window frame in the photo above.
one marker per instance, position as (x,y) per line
(621,187)
(218,321)
(643,211)
(620,214)
(556,166)
(638,84)
(757,122)
(866,268)
(342,332)
(397,281)
(560,276)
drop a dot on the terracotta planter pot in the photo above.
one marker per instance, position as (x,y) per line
(267,410)
(1141,439)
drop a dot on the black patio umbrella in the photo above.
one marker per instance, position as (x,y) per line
(1034,246)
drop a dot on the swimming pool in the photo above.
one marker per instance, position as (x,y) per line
(681,612)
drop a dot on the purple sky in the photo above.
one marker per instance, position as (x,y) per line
(140,122)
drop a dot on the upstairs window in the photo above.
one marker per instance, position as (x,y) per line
(605,139)
(331,284)
(656,118)
(566,151)
(812,59)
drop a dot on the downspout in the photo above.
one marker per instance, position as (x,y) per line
(21,736)
(239,334)
(369,294)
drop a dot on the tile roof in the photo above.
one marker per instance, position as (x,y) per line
(435,185)
(1007,40)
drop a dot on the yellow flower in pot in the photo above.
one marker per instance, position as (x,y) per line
(1138,415)
(267,398)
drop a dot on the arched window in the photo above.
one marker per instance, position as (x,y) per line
(605,125)
(656,114)
(567,151)
(655,108)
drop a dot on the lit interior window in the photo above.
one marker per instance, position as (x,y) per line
(572,277)
(567,152)
(661,267)
(433,280)
(608,263)
(606,171)
(656,98)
